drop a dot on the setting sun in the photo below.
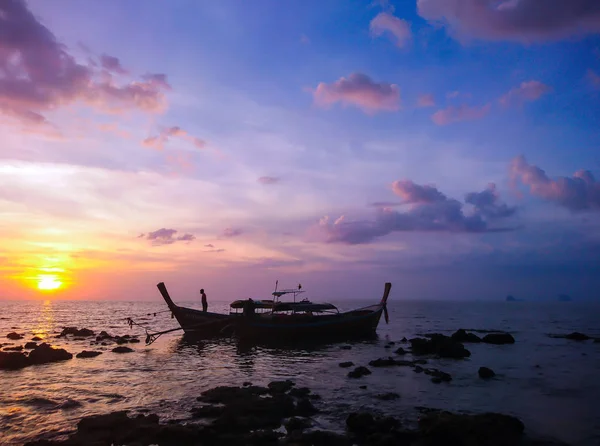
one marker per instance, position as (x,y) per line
(48,283)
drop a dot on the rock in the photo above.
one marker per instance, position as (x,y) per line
(207,411)
(300,392)
(36,339)
(387,396)
(576,336)
(317,438)
(102,336)
(382,362)
(486,373)
(404,340)
(438,376)
(13,361)
(461,335)
(360,422)
(490,429)
(87,354)
(359,372)
(69,404)
(14,336)
(297,424)
(83,333)
(400,351)
(362,387)
(120,340)
(122,350)
(134,341)
(44,354)
(443,346)
(346,364)
(346,347)
(280,386)
(305,408)
(16,348)
(498,338)
(418,369)
(597,341)
(246,383)
(387,346)
(30,345)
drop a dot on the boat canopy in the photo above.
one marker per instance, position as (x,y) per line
(303,306)
(258,304)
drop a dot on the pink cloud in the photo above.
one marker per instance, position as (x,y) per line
(232,232)
(426,100)
(577,193)
(526,92)
(415,193)
(159,142)
(387,23)
(359,90)
(165,236)
(40,75)
(594,78)
(454,114)
(269,180)
(112,63)
(515,20)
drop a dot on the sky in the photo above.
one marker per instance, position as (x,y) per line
(451,147)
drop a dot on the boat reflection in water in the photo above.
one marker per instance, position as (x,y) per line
(277,321)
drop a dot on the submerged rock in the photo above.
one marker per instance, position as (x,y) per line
(87,354)
(400,351)
(486,373)
(498,338)
(438,376)
(359,372)
(122,350)
(84,332)
(461,335)
(36,339)
(14,336)
(280,386)
(441,345)
(387,396)
(297,424)
(346,364)
(576,336)
(29,345)
(16,348)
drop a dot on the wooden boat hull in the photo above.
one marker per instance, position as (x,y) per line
(350,325)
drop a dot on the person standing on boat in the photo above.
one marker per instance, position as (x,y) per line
(204,301)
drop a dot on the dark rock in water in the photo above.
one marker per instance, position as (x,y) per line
(120,340)
(44,354)
(404,340)
(438,376)
(366,426)
(359,372)
(485,372)
(134,340)
(383,362)
(14,336)
(362,387)
(461,335)
(247,383)
(597,341)
(88,354)
(490,429)
(576,336)
(280,386)
(69,404)
(387,396)
(498,338)
(305,408)
(317,438)
(102,336)
(29,345)
(418,369)
(360,422)
(13,361)
(83,333)
(346,347)
(16,348)
(400,351)
(297,424)
(443,346)
(207,411)
(227,395)
(300,392)
(122,350)
(36,339)
(104,343)
(346,364)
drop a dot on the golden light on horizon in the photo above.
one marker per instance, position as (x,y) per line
(48,282)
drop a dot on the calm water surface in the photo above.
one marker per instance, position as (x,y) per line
(551,384)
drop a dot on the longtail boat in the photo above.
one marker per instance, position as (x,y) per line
(299,321)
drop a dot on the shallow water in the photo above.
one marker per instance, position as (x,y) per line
(551,384)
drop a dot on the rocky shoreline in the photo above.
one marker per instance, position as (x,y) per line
(282,414)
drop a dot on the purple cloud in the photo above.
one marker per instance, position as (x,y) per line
(387,23)
(359,90)
(159,142)
(40,75)
(231,232)
(112,63)
(515,20)
(577,193)
(453,114)
(430,211)
(526,92)
(165,236)
(426,100)
(269,180)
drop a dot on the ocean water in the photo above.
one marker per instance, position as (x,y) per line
(553,385)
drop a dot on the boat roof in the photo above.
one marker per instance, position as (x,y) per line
(303,306)
(258,303)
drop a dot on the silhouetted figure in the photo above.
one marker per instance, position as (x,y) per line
(204,301)
(249,308)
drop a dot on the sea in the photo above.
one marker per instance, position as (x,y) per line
(551,384)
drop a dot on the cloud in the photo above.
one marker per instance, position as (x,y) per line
(577,193)
(158,142)
(359,90)
(231,232)
(387,23)
(112,63)
(594,78)
(269,180)
(454,114)
(210,245)
(165,236)
(429,211)
(40,75)
(526,92)
(426,100)
(515,20)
